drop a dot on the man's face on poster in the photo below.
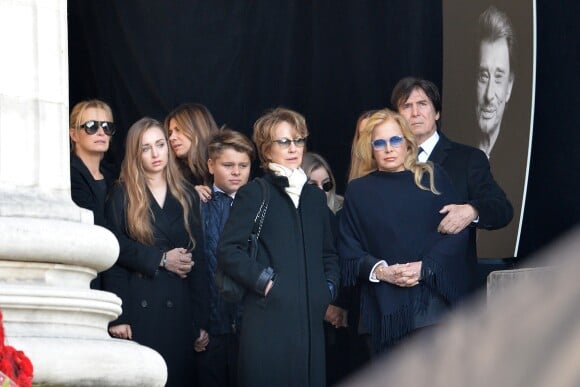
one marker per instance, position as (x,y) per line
(494,84)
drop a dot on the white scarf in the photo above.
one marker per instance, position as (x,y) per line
(296,180)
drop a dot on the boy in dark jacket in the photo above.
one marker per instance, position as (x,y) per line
(230,157)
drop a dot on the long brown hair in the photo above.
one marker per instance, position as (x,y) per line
(368,162)
(197,124)
(133,177)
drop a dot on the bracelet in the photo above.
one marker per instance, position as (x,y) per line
(164,261)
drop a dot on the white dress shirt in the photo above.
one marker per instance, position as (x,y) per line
(428,146)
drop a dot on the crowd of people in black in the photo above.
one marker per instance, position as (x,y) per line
(334,282)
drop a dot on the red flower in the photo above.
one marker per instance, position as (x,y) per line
(14,363)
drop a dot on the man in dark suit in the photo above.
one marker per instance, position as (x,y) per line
(483,202)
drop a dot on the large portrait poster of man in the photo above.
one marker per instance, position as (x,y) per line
(488,94)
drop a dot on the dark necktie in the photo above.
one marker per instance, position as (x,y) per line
(421,150)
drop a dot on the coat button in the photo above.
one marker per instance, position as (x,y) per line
(169,304)
(144,303)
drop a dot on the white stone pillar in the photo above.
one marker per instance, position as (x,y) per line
(49,247)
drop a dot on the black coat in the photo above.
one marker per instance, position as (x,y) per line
(165,311)
(469,170)
(282,338)
(85,192)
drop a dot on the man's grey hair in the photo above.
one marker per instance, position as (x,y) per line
(494,25)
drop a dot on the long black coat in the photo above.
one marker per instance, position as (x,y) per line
(165,312)
(282,338)
(86,193)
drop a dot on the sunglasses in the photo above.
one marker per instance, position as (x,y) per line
(285,142)
(325,186)
(92,127)
(381,143)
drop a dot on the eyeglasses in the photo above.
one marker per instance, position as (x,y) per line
(92,127)
(381,143)
(285,142)
(327,186)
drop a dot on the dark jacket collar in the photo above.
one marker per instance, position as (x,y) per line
(439,153)
(79,165)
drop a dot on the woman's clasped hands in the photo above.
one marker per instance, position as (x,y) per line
(401,274)
(179,261)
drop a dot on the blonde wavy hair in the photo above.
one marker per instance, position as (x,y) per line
(198,125)
(364,148)
(354,170)
(133,177)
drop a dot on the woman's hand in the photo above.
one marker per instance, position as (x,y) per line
(407,274)
(202,341)
(121,331)
(179,261)
(204,192)
(403,275)
(336,316)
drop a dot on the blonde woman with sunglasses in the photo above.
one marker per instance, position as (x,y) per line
(91,129)
(410,274)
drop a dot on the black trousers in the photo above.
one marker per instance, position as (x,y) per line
(217,365)
(346,352)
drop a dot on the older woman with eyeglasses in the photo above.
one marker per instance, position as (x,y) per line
(410,274)
(91,128)
(295,274)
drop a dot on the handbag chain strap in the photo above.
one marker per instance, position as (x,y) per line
(263,207)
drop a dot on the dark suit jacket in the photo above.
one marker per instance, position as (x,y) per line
(86,194)
(470,173)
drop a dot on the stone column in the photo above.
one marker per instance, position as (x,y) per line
(49,248)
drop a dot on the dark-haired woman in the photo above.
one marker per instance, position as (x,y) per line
(189,128)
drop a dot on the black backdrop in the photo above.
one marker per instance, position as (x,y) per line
(330,60)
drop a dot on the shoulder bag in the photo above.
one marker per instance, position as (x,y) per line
(230,290)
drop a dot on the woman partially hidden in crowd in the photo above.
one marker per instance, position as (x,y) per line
(161,273)
(91,128)
(189,128)
(346,350)
(388,241)
(355,169)
(295,275)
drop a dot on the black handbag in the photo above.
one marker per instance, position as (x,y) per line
(230,290)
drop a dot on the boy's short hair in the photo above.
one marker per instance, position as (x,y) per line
(226,138)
